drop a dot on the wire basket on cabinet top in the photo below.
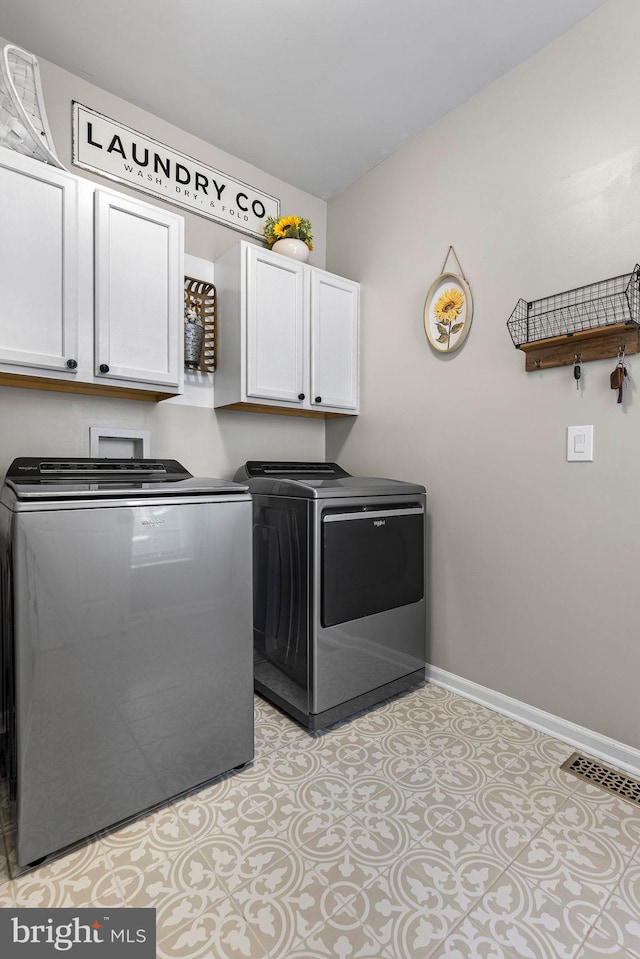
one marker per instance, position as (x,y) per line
(598,318)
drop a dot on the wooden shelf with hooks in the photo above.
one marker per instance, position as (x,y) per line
(606,342)
(598,321)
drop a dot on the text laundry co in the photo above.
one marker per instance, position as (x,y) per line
(159,164)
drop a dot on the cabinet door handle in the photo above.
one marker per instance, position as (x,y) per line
(72,364)
(318,399)
(300,396)
(103,368)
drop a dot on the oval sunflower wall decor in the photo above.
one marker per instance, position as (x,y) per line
(448,309)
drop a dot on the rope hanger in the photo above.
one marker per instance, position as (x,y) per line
(461,271)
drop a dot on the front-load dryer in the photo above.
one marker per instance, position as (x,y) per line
(339,588)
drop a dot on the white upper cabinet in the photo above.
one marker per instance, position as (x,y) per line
(91,286)
(138,291)
(288,335)
(38,264)
(276,332)
(335,312)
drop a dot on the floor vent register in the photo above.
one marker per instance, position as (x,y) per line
(614,781)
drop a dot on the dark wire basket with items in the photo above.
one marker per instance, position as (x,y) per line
(590,307)
(596,320)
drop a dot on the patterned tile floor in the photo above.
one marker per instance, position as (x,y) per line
(426,827)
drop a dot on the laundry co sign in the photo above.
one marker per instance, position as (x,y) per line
(120,153)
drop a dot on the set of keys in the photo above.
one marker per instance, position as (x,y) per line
(619,375)
(577,369)
(617,378)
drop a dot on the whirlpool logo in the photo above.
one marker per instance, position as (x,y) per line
(47,932)
(152,523)
(379,522)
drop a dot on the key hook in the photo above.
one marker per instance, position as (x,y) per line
(577,368)
(621,351)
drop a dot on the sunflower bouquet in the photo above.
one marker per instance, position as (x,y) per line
(291,227)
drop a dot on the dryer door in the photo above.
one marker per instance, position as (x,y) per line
(372,560)
(280,612)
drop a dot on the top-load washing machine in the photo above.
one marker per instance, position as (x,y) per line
(339,588)
(126,654)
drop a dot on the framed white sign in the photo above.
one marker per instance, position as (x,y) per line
(113,150)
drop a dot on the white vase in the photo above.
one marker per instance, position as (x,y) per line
(296,249)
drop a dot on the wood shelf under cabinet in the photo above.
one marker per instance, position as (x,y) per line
(88,389)
(283,411)
(606,342)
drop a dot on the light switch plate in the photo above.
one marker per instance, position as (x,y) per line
(580,444)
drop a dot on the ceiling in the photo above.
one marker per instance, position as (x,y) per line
(315,92)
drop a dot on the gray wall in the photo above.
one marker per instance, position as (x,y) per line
(214,443)
(536,182)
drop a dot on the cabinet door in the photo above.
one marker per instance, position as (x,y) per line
(276,330)
(335,311)
(38,265)
(138,291)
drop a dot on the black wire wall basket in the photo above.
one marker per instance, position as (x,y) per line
(591,322)
(597,305)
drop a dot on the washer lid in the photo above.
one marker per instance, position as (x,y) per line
(317,481)
(277,469)
(85,477)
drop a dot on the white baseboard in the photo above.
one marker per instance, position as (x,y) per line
(586,740)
